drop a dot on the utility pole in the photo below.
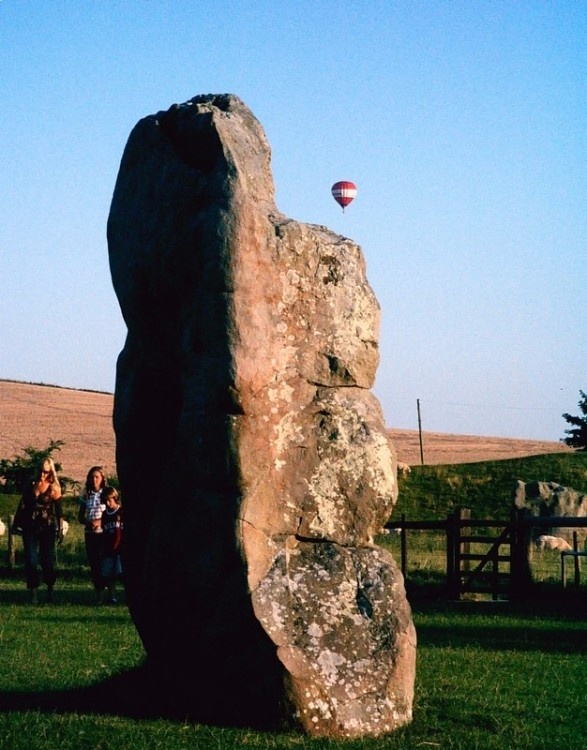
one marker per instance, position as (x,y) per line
(420,431)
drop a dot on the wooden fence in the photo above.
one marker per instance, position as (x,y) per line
(488,556)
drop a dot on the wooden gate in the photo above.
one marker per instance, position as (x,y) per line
(488,556)
(481,556)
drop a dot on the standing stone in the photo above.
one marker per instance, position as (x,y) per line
(550,499)
(252,456)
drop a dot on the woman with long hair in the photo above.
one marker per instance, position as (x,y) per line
(39,517)
(91,509)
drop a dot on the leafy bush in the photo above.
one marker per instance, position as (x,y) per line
(16,472)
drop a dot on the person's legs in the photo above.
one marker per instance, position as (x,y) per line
(109,577)
(30,542)
(112,591)
(94,555)
(47,541)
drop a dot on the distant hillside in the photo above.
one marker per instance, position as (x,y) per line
(34,414)
(444,448)
(486,488)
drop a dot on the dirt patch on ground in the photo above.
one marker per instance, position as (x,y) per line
(35,414)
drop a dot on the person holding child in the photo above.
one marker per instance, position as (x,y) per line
(39,518)
(111,541)
(90,514)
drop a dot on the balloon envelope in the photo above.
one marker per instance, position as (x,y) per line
(343,192)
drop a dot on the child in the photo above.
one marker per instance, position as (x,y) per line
(111,538)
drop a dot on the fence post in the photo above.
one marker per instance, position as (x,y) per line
(11,547)
(495,573)
(452,577)
(404,547)
(515,537)
(520,575)
(464,547)
(576,559)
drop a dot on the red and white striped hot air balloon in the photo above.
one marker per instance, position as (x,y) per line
(343,192)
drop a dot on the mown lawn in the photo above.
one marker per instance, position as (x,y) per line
(489,676)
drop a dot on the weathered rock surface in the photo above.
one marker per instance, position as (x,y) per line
(552,499)
(253,459)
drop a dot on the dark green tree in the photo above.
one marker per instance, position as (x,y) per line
(16,472)
(577,436)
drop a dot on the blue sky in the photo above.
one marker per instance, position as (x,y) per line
(463,124)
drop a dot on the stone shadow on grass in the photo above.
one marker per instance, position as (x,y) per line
(206,686)
(140,694)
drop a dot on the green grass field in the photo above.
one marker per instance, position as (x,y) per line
(431,492)
(489,675)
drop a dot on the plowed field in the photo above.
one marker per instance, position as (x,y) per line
(35,414)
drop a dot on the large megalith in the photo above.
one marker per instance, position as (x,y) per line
(252,456)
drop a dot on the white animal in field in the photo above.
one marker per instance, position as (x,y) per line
(64,527)
(553,542)
(392,531)
(403,468)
